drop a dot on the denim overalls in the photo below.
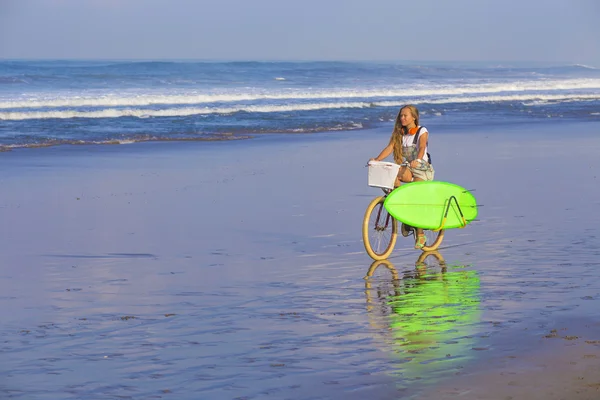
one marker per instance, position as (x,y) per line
(410,153)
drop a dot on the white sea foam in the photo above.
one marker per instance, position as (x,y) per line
(193,98)
(172,112)
(526,99)
(585,66)
(500,98)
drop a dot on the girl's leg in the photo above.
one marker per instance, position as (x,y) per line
(404,175)
(421,240)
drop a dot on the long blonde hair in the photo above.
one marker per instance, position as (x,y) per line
(399,131)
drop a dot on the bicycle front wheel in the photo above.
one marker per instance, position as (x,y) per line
(380,230)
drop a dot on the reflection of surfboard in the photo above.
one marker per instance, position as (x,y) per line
(423,204)
(433,321)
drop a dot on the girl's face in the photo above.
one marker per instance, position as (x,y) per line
(406,117)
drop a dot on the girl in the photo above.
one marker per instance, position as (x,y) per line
(409,144)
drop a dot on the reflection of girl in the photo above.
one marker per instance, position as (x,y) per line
(409,144)
(432,319)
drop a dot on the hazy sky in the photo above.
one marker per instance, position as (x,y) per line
(553,31)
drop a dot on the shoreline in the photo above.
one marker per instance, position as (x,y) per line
(438,125)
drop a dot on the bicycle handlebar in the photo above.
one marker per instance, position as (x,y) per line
(404,164)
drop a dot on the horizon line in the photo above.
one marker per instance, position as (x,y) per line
(275,60)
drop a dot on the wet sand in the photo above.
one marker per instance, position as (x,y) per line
(564,364)
(236,271)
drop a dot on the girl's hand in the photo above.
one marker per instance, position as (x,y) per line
(414,163)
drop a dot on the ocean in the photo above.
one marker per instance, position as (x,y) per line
(46,103)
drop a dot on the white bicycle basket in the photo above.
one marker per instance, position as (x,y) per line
(383,174)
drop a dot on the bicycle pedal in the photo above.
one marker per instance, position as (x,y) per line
(406,230)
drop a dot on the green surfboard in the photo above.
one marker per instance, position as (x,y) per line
(423,205)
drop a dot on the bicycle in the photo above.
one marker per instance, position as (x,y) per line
(380,230)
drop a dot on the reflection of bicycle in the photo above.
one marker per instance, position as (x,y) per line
(391,284)
(380,230)
(426,263)
(427,259)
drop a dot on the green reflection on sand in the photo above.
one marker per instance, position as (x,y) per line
(429,315)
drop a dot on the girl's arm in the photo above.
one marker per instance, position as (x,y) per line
(422,144)
(385,152)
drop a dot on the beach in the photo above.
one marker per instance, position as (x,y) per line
(235,270)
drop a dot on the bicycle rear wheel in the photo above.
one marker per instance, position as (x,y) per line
(434,240)
(379,231)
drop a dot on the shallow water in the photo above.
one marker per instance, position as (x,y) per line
(157,288)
